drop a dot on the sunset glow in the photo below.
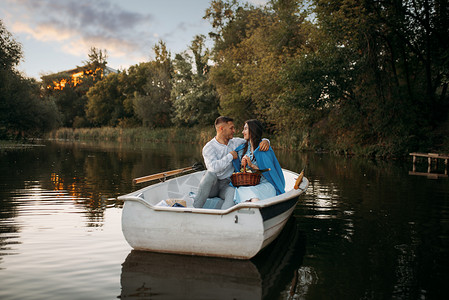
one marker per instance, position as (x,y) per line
(56,35)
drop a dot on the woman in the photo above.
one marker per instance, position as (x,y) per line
(272,182)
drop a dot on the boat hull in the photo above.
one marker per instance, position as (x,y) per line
(239,232)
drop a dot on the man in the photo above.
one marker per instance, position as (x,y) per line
(218,154)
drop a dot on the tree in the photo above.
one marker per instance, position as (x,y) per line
(10,50)
(398,51)
(26,113)
(220,13)
(195,100)
(151,96)
(253,46)
(23,112)
(70,96)
(231,24)
(96,63)
(69,99)
(105,102)
(150,84)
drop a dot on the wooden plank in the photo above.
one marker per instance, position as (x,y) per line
(429,175)
(429,155)
(418,154)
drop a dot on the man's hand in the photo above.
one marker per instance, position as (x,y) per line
(264,145)
(234,154)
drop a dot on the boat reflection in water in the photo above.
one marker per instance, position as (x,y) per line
(147,275)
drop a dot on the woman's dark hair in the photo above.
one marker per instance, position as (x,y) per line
(255,129)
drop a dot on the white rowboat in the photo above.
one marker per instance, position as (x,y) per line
(196,277)
(238,232)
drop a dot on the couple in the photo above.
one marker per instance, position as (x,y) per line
(224,155)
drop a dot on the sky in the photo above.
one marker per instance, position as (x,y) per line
(56,35)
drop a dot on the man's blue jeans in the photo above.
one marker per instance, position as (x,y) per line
(211,186)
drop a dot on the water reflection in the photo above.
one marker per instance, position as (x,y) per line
(92,174)
(147,275)
(38,183)
(374,225)
(372,230)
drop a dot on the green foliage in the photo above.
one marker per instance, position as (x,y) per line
(140,95)
(71,99)
(253,48)
(153,104)
(105,102)
(96,63)
(10,50)
(351,76)
(391,102)
(22,110)
(319,81)
(151,100)
(70,102)
(195,100)
(367,77)
(220,13)
(232,58)
(150,109)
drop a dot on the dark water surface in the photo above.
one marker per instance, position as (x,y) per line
(364,230)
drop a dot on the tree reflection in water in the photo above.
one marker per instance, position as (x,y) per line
(372,230)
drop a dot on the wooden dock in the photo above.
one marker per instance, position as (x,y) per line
(431,157)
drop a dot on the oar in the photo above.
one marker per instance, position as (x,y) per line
(299,179)
(197,166)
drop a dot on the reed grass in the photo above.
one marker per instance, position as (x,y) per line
(194,135)
(177,135)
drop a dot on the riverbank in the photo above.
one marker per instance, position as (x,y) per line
(292,140)
(10,145)
(194,135)
(176,135)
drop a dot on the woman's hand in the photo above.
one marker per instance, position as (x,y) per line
(246,160)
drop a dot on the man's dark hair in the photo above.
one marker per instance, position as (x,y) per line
(223,119)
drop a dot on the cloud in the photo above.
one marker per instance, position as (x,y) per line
(80,24)
(42,32)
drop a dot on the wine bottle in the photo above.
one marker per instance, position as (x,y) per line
(261,171)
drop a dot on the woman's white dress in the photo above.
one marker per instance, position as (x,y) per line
(261,191)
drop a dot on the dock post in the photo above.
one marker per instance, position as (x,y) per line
(414,163)
(445,166)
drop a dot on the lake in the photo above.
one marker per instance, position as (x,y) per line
(365,229)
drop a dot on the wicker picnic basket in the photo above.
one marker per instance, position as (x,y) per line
(245,178)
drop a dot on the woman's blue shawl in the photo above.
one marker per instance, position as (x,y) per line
(265,160)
